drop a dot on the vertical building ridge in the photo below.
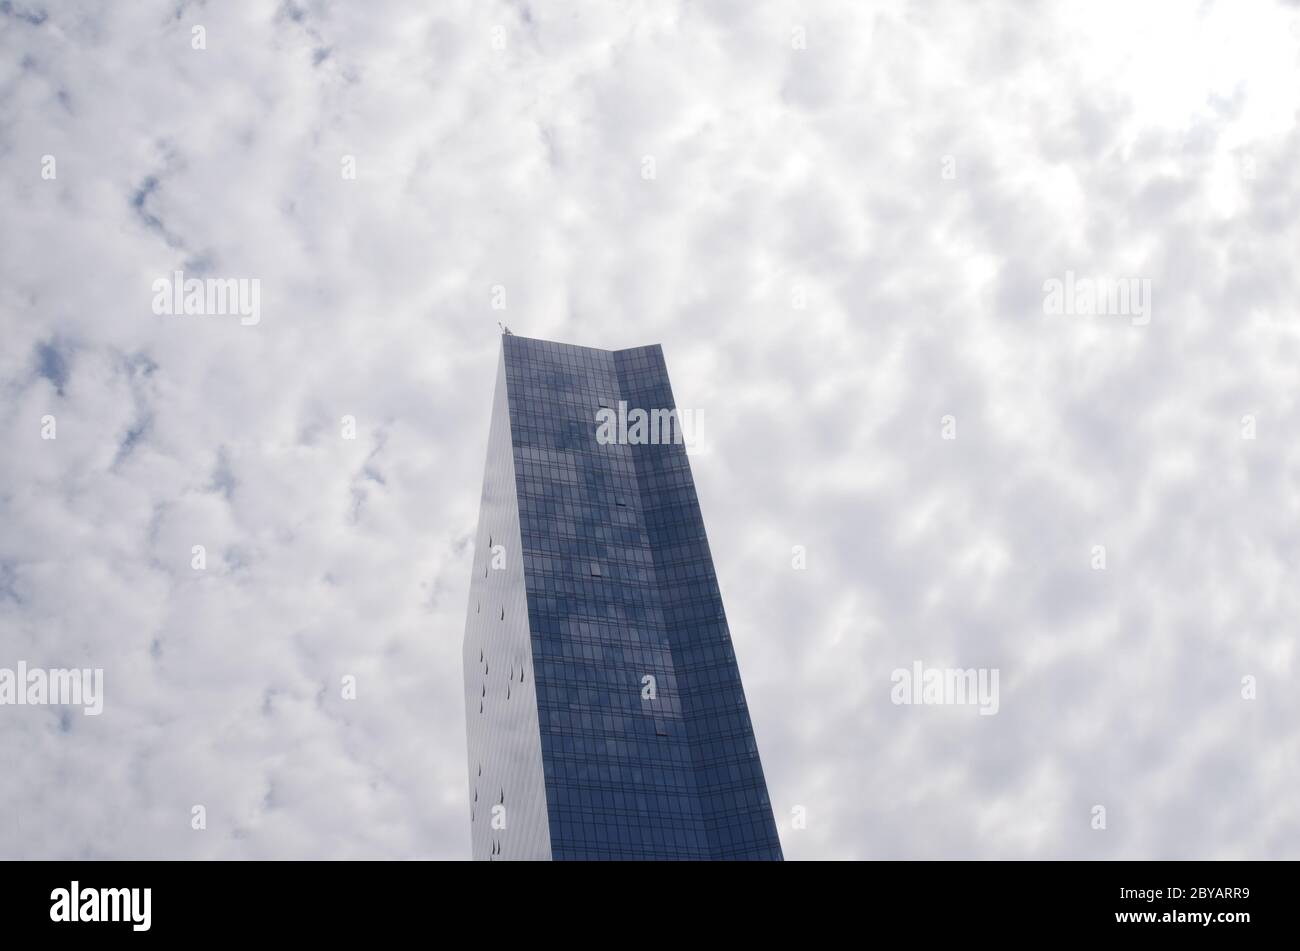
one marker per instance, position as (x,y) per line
(508,815)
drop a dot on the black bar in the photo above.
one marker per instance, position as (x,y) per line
(331,901)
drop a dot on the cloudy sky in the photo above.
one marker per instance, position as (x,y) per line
(839,219)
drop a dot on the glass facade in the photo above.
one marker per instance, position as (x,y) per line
(625,723)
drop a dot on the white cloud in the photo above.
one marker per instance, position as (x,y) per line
(1104,139)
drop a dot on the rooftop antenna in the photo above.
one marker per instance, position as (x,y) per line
(504,329)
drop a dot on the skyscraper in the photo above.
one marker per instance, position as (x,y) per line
(604,708)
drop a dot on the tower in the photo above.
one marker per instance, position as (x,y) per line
(604,708)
